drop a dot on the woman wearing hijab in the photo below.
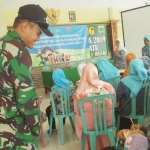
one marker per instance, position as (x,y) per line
(80,68)
(106,69)
(120,52)
(146,48)
(90,83)
(60,81)
(130,86)
(129,57)
(146,61)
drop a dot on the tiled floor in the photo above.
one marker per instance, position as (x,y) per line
(53,142)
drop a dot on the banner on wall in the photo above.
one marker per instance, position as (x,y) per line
(69,43)
(98,40)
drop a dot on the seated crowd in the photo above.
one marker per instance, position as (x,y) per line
(93,79)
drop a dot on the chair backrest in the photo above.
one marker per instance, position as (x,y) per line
(98,103)
(62,101)
(114,81)
(146,100)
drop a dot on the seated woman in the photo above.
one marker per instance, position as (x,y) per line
(146,48)
(146,61)
(60,81)
(106,69)
(130,86)
(80,68)
(120,52)
(129,57)
(90,82)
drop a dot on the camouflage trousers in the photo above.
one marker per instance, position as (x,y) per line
(10,139)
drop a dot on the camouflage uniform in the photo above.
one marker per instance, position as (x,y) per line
(19,113)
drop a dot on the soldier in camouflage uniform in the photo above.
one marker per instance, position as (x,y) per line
(19,113)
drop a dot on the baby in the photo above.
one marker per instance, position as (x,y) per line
(130,138)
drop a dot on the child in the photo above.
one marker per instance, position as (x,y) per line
(130,138)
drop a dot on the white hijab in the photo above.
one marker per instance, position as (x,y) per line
(121,47)
(80,67)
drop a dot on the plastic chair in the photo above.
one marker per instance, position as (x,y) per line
(146,107)
(66,106)
(114,81)
(100,123)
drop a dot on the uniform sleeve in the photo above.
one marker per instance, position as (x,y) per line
(26,99)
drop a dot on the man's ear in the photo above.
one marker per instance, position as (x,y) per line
(24,26)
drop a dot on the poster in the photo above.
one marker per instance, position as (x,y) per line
(98,43)
(69,43)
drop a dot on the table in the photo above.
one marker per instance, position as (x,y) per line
(71,74)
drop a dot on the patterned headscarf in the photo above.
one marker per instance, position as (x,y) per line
(136,142)
(60,80)
(146,61)
(80,67)
(106,69)
(137,76)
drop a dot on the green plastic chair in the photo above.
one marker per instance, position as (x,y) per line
(100,123)
(114,81)
(66,106)
(133,115)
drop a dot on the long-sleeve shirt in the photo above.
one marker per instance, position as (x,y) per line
(123,94)
(18,100)
(120,59)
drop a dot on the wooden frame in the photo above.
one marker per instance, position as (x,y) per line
(72,16)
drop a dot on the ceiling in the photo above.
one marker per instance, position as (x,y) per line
(76,4)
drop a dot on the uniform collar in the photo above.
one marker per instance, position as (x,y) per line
(14,34)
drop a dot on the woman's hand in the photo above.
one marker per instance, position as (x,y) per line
(116,49)
(83,95)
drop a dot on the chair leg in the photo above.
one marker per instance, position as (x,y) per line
(93,141)
(83,140)
(118,122)
(72,122)
(61,127)
(111,137)
(51,122)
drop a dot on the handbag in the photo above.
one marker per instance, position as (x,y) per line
(119,108)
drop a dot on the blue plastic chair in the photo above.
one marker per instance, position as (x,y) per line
(114,81)
(146,107)
(66,106)
(100,123)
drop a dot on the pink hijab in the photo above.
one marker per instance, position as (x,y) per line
(90,80)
